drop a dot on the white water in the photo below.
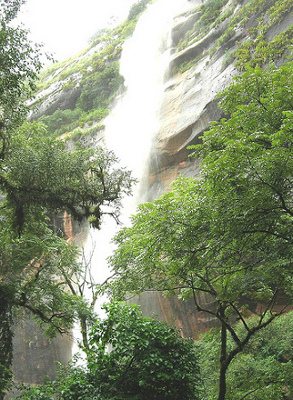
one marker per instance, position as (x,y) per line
(134,121)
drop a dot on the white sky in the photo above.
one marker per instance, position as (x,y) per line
(65,26)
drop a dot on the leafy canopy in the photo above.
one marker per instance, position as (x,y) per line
(38,176)
(46,172)
(210,233)
(262,371)
(130,357)
(19,66)
(227,233)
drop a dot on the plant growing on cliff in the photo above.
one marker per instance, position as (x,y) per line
(137,8)
(95,78)
(99,88)
(129,357)
(228,234)
(257,45)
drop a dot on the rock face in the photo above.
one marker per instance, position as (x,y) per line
(35,356)
(190,101)
(179,314)
(189,105)
(60,95)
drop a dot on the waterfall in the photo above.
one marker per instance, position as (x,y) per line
(144,62)
(134,120)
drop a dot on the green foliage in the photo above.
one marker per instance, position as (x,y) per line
(184,66)
(98,88)
(61,121)
(210,11)
(6,336)
(228,234)
(255,50)
(99,84)
(222,40)
(99,35)
(19,65)
(33,267)
(72,383)
(129,357)
(39,175)
(148,359)
(66,121)
(210,15)
(264,369)
(259,52)
(280,9)
(137,8)
(42,172)
(100,80)
(247,162)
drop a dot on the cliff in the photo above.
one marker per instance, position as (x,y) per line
(219,39)
(211,42)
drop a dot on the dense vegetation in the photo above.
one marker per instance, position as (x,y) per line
(253,47)
(228,234)
(39,175)
(263,370)
(129,357)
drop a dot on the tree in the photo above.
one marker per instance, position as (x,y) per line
(18,70)
(228,233)
(19,67)
(137,357)
(129,357)
(39,269)
(41,175)
(40,171)
(262,371)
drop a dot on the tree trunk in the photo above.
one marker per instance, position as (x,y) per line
(6,336)
(84,333)
(223,364)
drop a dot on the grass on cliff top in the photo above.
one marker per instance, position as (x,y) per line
(255,49)
(96,71)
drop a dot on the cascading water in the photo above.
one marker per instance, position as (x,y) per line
(134,121)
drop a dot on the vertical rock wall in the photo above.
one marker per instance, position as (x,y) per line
(189,105)
(34,355)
